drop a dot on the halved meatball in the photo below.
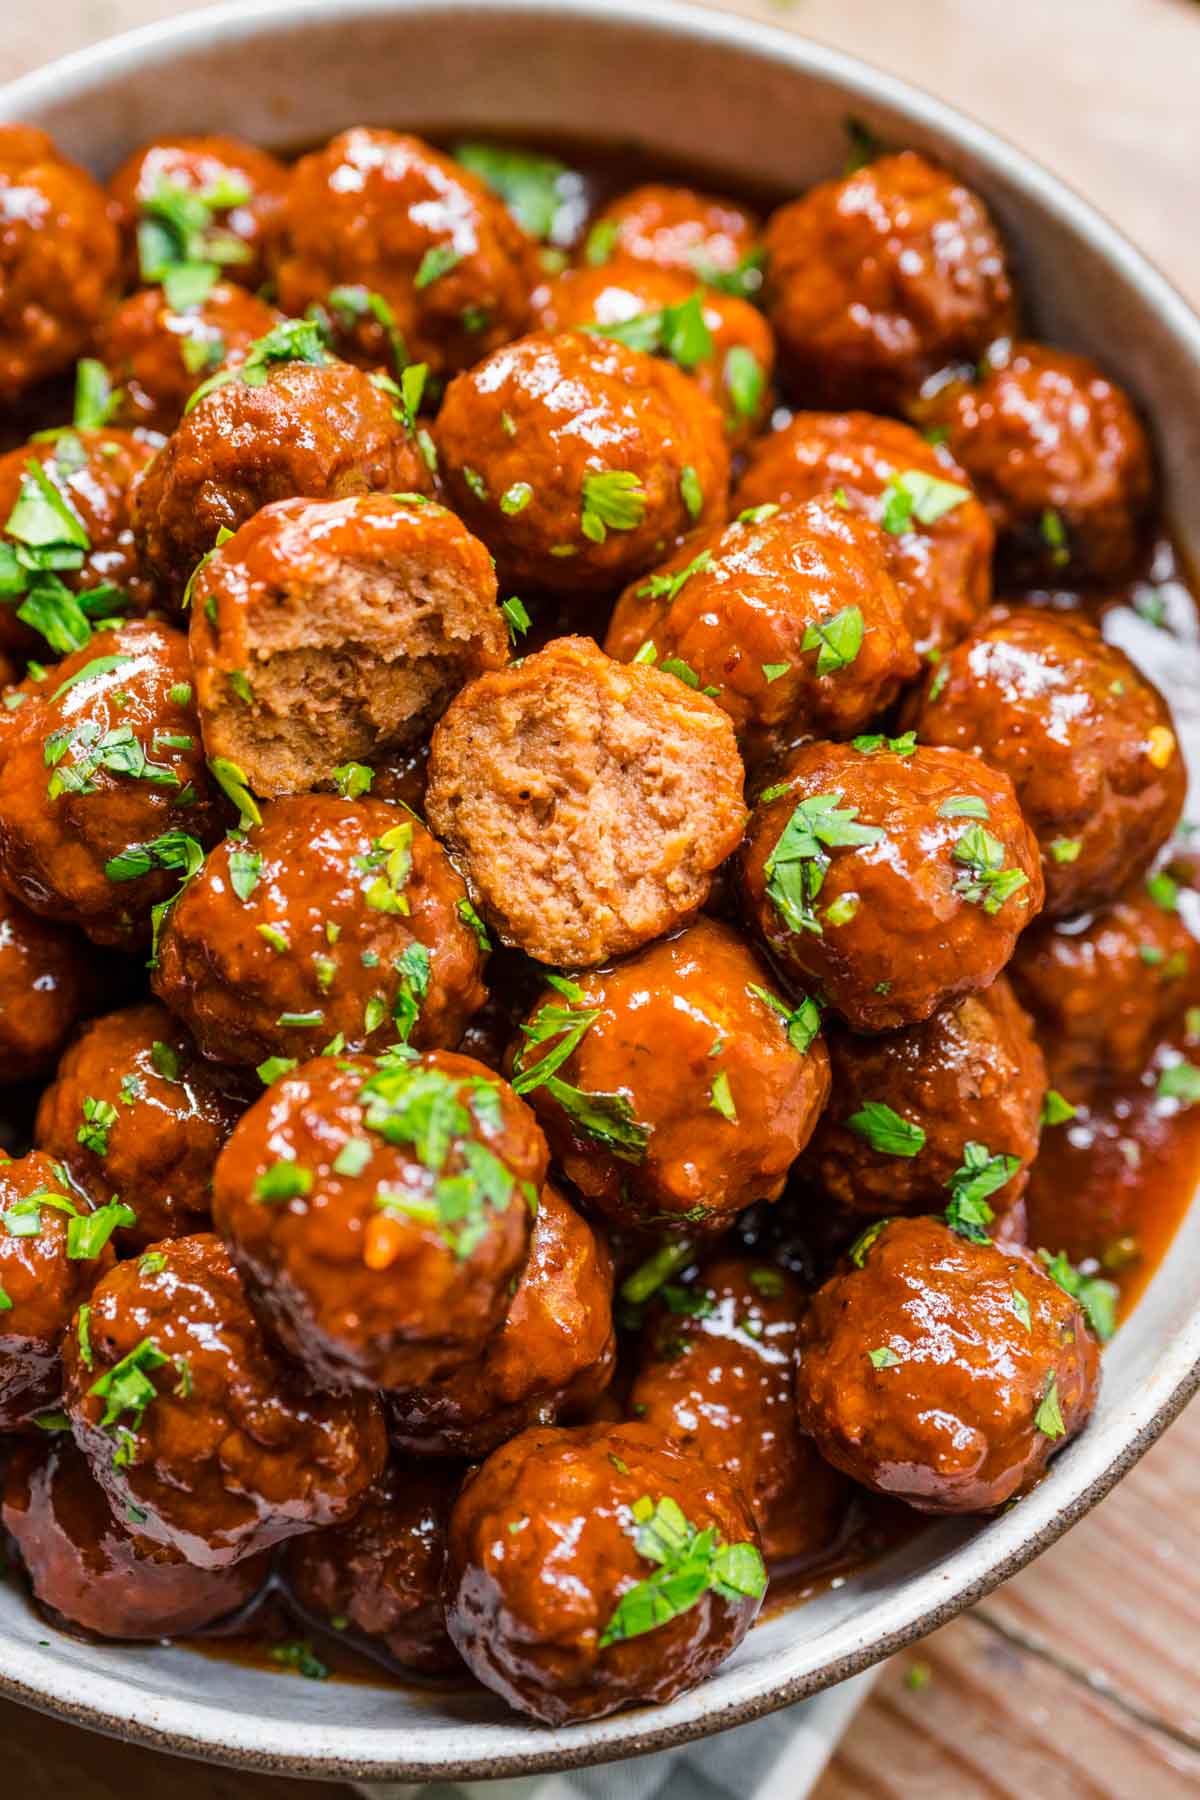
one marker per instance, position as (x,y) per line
(333,631)
(589,802)
(201,199)
(676,228)
(157,354)
(46,986)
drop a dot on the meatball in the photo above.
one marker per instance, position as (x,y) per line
(202,200)
(561,1550)
(720,340)
(1085,738)
(716,1377)
(906,1104)
(93,1568)
(554,1353)
(578,460)
(59,259)
(1057,454)
(333,631)
(937,537)
(185,1414)
(333,921)
(46,985)
(379,1211)
(892,878)
(980,1368)
(790,620)
(442,269)
(688,1088)
(876,281)
(157,353)
(677,228)
(134,1110)
(52,1250)
(105,800)
(380,1574)
(315,428)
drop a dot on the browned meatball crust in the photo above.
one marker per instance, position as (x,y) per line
(893,879)
(1086,739)
(185,1413)
(332,920)
(578,461)
(943,1371)
(157,354)
(379,1210)
(676,228)
(553,1544)
(877,280)
(46,985)
(206,199)
(588,803)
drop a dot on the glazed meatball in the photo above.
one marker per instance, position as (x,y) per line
(677,228)
(1086,739)
(46,985)
(332,921)
(333,631)
(201,200)
(689,1087)
(937,537)
(105,800)
(59,259)
(91,1566)
(135,1111)
(185,1414)
(720,340)
(380,1575)
(578,460)
(553,1355)
(51,1255)
(379,1211)
(943,1371)
(157,353)
(892,878)
(876,281)
(1058,455)
(589,803)
(447,267)
(560,1546)
(788,617)
(906,1104)
(314,428)
(716,1378)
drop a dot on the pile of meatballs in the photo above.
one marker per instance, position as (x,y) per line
(514,757)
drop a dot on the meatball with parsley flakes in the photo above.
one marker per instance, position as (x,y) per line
(706,235)
(162,342)
(193,203)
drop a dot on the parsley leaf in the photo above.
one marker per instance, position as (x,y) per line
(837,640)
(612,499)
(886,1131)
(1097,1297)
(690,1563)
(795,869)
(980,1175)
(985,881)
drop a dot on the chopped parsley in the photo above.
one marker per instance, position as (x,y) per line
(471,919)
(88,1233)
(978,1177)
(883,1358)
(721,1099)
(985,881)
(886,1131)
(353,779)
(1097,1297)
(127,1388)
(245,869)
(837,640)
(1054,536)
(1180,1081)
(691,493)
(744,381)
(99,1116)
(795,869)
(912,494)
(1048,1418)
(173,850)
(437,261)
(801,1023)
(676,332)
(690,1564)
(1056,1109)
(516,614)
(872,742)
(608,1119)
(96,400)
(292,340)
(301,1657)
(284,1180)
(537,190)
(1066,850)
(180,244)
(613,499)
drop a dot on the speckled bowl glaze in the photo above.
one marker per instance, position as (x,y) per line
(722,91)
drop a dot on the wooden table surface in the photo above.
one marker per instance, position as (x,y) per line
(1078,1680)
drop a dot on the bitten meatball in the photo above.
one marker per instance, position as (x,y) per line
(380,1575)
(443,269)
(186,1415)
(46,986)
(906,1104)
(133,1110)
(943,1371)
(589,803)
(678,1087)
(59,259)
(553,1355)
(92,1567)
(716,1378)
(315,428)
(558,1578)
(790,620)
(1086,739)
(333,631)
(1057,454)
(676,228)
(876,281)
(105,800)
(332,921)
(201,200)
(379,1211)
(157,353)
(893,879)
(52,1250)
(578,460)
(937,537)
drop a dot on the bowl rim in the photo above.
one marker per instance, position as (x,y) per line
(189,1727)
